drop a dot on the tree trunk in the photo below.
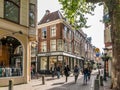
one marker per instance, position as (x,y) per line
(114,12)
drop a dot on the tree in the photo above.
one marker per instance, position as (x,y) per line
(75,10)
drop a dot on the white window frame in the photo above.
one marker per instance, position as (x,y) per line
(52,45)
(53,31)
(60,45)
(44,46)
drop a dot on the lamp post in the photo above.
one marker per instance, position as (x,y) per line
(105,59)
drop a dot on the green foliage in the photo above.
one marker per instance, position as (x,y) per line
(75,10)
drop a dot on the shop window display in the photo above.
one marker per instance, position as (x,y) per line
(43,63)
(52,61)
(11,57)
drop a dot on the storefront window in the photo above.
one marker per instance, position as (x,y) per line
(52,61)
(66,60)
(60,61)
(43,63)
(11,57)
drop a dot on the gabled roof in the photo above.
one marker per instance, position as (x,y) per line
(48,17)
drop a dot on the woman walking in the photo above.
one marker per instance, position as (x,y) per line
(76,72)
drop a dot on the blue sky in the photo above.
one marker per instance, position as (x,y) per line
(96,31)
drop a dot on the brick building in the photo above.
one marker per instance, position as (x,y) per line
(59,43)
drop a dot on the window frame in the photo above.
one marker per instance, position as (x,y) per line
(44,46)
(33,12)
(17,5)
(53,31)
(60,45)
(43,34)
(52,45)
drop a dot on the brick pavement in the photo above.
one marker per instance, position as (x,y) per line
(56,84)
(106,85)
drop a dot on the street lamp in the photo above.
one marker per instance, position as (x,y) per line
(105,59)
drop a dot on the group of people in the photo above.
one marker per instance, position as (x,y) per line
(66,71)
(87,74)
(57,70)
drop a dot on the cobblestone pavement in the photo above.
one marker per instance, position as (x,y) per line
(56,84)
(107,85)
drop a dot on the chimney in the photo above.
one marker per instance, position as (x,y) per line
(47,12)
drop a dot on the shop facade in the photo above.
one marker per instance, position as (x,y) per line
(14,58)
(15,40)
(47,60)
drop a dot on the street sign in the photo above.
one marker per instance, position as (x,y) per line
(97,54)
(97,50)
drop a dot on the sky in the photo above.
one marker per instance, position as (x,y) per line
(96,31)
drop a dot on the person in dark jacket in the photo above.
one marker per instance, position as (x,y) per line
(53,70)
(58,71)
(89,72)
(67,72)
(76,72)
(85,72)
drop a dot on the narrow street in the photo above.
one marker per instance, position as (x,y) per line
(57,84)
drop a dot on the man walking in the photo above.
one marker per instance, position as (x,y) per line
(85,72)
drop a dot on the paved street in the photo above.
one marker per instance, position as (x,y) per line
(56,84)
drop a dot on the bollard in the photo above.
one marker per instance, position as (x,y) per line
(96,84)
(10,84)
(101,80)
(43,79)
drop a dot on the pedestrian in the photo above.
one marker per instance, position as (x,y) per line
(66,72)
(85,73)
(62,71)
(89,72)
(53,69)
(76,72)
(58,71)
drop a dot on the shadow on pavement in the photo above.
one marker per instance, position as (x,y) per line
(65,86)
(72,85)
(36,85)
(58,83)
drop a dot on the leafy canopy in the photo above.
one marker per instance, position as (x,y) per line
(75,10)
